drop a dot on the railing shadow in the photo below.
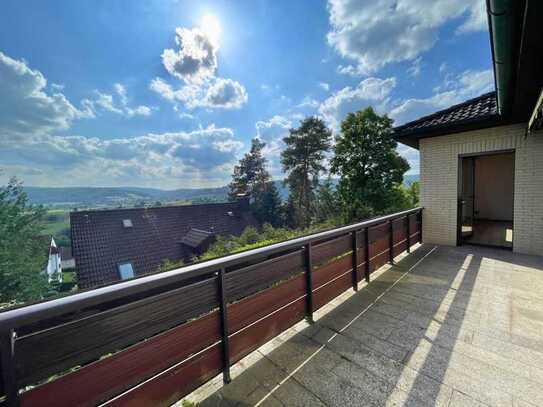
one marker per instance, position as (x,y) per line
(394,342)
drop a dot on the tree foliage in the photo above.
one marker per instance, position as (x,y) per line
(327,205)
(368,165)
(303,161)
(22,254)
(251,178)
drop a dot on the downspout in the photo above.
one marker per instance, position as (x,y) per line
(501,21)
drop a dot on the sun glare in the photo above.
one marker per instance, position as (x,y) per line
(211,26)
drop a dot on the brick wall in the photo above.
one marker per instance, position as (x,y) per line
(439,182)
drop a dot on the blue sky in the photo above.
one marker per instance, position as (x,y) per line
(168,93)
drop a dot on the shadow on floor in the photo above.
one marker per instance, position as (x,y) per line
(444,326)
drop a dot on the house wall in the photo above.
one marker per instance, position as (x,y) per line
(439,182)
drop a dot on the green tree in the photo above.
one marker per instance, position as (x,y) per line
(369,167)
(303,160)
(22,254)
(251,178)
(267,205)
(328,206)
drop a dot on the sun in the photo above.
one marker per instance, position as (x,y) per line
(211,27)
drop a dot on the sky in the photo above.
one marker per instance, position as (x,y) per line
(169,93)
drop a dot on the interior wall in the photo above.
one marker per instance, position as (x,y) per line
(494,186)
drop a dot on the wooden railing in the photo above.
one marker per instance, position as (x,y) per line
(152,340)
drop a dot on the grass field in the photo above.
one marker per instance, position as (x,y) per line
(57,224)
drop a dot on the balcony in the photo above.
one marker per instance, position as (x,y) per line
(331,322)
(445,326)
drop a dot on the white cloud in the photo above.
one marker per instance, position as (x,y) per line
(195,63)
(196,58)
(415,68)
(324,86)
(272,132)
(468,84)
(477,19)
(218,93)
(108,102)
(378,32)
(370,91)
(25,105)
(308,101)
(174,159)
(225,93)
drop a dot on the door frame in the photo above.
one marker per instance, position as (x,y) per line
(459,188)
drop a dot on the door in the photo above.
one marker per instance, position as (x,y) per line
(466,199)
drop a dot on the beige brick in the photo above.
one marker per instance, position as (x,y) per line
(439,182)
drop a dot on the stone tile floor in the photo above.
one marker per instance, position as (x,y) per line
(444,326)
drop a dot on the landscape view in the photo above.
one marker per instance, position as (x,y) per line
(268,203)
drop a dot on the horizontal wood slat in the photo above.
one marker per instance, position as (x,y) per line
(252,308)
(326,251)
(248,280)
(378,261)
(106,378)
(332,270)
(247,340)
(40,356)
(328,292)
(172,385)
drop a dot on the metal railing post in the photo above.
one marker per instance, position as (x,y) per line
(9,378)
(224,327)
(367,254)
(355,260)
(408,235)
(390,242)
(420,223)
(309,283)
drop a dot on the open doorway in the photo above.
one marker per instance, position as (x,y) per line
(485,202)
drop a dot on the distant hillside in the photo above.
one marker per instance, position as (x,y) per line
(129,196)
(88,196)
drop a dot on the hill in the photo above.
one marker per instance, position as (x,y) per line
(129,196)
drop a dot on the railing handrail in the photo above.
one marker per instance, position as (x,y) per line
(15,318)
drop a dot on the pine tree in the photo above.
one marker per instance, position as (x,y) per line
(250,178)
(303,160)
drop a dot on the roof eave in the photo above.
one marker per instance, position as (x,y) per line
(411,137)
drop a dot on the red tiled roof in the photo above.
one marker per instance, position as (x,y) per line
(100,241)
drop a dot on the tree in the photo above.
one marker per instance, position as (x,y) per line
(302,160)
(22,254)
(267,205)
(328,207)
(368,164)
(251,178)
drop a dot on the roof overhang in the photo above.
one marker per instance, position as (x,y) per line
(517,52)
(411,138)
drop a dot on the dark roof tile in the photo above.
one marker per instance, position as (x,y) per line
(477,109)
(100,242)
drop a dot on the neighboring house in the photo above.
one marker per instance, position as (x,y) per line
(53,269)
(113,245)
(481,162)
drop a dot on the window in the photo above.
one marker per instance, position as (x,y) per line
(126,271)
(127,223)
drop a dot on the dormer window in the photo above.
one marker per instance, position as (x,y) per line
(126,271)
(127,223)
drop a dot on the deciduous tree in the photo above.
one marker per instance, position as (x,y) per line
(22,254)
(369,167)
